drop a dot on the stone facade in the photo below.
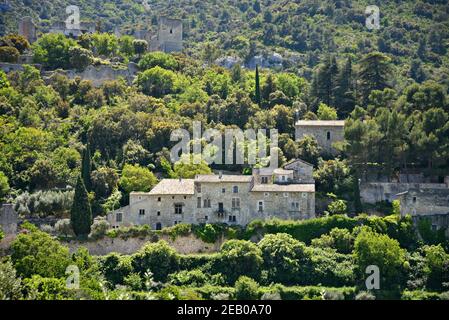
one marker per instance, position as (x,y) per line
(169,36)
(232,199)
(424,202)
(27,28)
(375,192)
(8,219)
(326,132)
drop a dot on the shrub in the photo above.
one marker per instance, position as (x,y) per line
(44,203)
(365,295)
(115,268)
(9,54)
(133,281)
(159,258)
(194,278)
(161,59)
(246,289)
(39,288)
(64,228)
(380,250)
(10,285)
(240,258)
(420,295)
(99,229)
(339,239)
(36,253)
(284,258)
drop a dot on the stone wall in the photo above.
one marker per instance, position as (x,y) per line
(8,219)
(183,245)
(420,201)
(99,74)
(387,191)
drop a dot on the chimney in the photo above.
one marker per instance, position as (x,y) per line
(180,179)
(220,174)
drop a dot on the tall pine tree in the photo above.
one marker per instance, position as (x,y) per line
(257,89)
(324,81)
(86,168)
(374,74)
(81,213)
(344,91)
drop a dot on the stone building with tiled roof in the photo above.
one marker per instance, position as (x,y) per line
(287,193)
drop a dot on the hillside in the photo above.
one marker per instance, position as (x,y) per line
(305,29)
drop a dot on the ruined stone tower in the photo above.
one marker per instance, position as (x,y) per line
(169,36)
(27,28)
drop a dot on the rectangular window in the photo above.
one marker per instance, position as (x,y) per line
(198,188)
(232,218)
(141,212)
(235,189)
(206,203)
(223,190)
(235,203)
(118,217)
(178,208)
(198,202)
(158,213)
(260,206)
(159,199)
(264,180)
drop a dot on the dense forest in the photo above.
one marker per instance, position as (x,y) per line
(68,147)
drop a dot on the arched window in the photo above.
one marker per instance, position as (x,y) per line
(235,189)
(328,135)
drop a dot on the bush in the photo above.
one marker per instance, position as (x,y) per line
(10,285)
(246,289)
(240,258)
(284,258)
(313,292)
(339,239)
(63,227)
(99,229)
(9,54)
(36,253)
(44,203)
(159,258)
(365,295)
(420,295)
(39,288)
(115,268)
(160,59)
(194,278)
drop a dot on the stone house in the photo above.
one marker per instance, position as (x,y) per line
(168,37)
(326,132)
(217,198)
(427,201)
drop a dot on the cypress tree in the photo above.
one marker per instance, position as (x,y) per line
(257,93)
(86,168)
(81,213)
